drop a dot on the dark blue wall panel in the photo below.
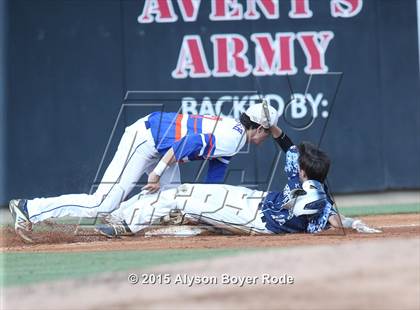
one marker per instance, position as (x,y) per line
(3,87)
(72,64)
(65,89)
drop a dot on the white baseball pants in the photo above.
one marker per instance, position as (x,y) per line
(135,156)
(226,206)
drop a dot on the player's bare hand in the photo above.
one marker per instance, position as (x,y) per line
(275,131)
(153,184)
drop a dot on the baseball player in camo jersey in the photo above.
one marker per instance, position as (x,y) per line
(154,145)
(303,206)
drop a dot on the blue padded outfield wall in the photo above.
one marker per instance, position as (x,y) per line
(342,73)
(3,23)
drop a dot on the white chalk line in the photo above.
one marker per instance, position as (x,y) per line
(400,226)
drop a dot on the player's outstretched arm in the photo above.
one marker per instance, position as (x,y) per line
(276,131)
(153,184)
(335,221)
(339,221)
(281,138)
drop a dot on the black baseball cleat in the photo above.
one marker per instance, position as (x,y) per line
(112,230)
(21,218)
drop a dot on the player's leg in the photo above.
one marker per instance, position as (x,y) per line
(142,210)
(227,207)
(232,208)
(169,179)
(129,162)
(139,212)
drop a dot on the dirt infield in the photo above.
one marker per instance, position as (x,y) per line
(63,239)
(332,270)
(378,274)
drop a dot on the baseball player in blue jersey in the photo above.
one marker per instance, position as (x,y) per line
(154,145)
(303,206)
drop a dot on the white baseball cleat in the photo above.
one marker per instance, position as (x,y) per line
(21,218)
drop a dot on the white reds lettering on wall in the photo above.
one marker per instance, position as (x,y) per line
(230,55)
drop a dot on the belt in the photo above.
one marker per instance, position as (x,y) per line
(147,124)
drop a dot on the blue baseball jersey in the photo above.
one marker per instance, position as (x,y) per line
(282,220)
(198,137)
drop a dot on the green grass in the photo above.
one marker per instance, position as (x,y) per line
(376,210)
(26,268)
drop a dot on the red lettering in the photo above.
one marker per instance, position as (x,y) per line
(192,58)
(274,57)
(189,9)
(162,9)
(226,10)
(346,8)
(269,8)
(287,55)
(314,46)
(300,9)
(230,55)
(220,47)
(265,52)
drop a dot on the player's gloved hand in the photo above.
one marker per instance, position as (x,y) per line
(153,184)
